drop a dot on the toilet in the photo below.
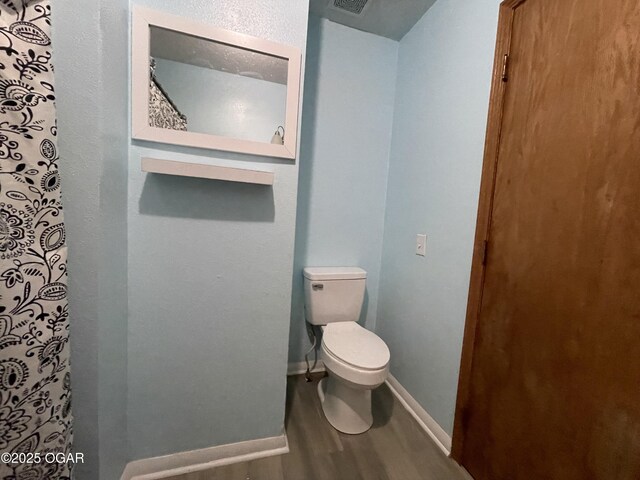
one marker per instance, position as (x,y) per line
(357,360)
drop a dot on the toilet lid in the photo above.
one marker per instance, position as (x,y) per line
(355,345)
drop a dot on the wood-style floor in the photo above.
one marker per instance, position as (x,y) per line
(395,448)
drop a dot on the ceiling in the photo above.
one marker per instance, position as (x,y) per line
(388,18)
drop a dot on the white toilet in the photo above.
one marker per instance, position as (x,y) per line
(357,360)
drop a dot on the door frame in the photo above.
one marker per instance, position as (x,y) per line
(483,225)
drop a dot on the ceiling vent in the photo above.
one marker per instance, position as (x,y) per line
(354,7)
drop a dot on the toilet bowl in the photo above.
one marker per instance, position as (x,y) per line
(357,360)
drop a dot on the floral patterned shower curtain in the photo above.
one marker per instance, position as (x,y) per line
(35,395)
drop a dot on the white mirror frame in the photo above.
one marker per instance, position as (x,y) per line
(143,20)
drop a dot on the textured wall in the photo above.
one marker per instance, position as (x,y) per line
(346,137)
(210,268)
(444,74)
(91,71)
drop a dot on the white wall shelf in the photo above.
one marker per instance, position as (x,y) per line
(213,172)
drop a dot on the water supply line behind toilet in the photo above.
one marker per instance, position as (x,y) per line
(312,336)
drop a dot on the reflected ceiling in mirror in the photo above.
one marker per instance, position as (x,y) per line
(213,88)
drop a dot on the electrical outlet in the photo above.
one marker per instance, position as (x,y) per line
(421,245)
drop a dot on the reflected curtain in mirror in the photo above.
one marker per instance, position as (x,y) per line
(162,111)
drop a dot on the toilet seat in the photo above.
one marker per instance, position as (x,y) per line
(355,346)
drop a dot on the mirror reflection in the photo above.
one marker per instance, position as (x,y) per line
(204,86)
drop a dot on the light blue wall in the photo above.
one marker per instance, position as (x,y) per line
(210,268)
(346,137)
(444,74)
(91,59)
(112,308)
(224,103)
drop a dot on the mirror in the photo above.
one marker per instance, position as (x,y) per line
(211,88)
(204,86)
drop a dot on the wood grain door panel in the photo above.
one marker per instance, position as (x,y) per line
(554,383)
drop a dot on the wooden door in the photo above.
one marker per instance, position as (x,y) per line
(550,376)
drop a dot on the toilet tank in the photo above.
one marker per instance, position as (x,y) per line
(333,294)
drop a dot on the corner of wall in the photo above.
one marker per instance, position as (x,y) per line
(433,182)
(386,185)
(339,150)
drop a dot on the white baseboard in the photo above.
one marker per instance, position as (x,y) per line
(426,421)
(204,459)
(298,368)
